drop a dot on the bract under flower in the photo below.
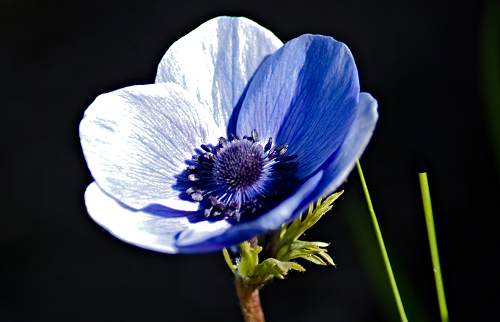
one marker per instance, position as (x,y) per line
(228,76)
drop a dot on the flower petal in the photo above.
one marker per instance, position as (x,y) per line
(305,95)
(353,146)
(136,141)
(215,62)
(291,207)
(269,221)
(202,231)
(134,227)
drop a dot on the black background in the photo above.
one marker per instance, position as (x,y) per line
(419,59)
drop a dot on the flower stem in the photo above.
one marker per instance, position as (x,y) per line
(249,301)
(429,220)
(382,247)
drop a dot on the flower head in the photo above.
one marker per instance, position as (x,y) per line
(237,136)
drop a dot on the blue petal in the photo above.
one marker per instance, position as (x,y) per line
(305,95)
(215,62)
(136,141)
(340,164)
(344,160)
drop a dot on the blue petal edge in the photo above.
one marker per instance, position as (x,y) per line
(340,165)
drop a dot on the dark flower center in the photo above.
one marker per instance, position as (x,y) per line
(239,165)
(239,178)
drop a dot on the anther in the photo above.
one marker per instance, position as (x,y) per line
(213,201)
(281,150)
(255,136)
(209,156)
(197,196)
(223,142)
(269,144)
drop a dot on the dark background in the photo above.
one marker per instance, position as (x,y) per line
(419,59)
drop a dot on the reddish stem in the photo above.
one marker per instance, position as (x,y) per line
(249,301)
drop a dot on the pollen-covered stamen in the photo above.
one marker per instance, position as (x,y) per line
(269,144)
(239,178)
(239,165)
(255,136)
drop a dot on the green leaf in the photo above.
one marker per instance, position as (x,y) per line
(289,234)
(299,226)
(249,260)
(282,247)
(272,267)
(229,263)
(311,251)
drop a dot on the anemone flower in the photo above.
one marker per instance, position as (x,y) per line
(237,136)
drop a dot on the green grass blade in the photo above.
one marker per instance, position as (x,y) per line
(382,247)
(429,220)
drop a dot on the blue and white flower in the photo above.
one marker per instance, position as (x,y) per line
(237,136)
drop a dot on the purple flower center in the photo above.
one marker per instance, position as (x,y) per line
(239,166)
(239,178)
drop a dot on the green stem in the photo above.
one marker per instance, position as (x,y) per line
(382,247)
(429,220)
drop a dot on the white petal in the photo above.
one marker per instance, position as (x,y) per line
(215,61)
(202,231)
(134,227)
(136,141)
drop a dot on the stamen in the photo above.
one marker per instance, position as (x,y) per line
(269,144)
(223,142)
(197,196)
(238,178)
(255,136)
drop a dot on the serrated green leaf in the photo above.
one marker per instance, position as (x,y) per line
(285,246)
(249,260)
(283,251)
(314,259)
(229,263)
(320,211)
(273,267)
(283,230)
(327,258)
